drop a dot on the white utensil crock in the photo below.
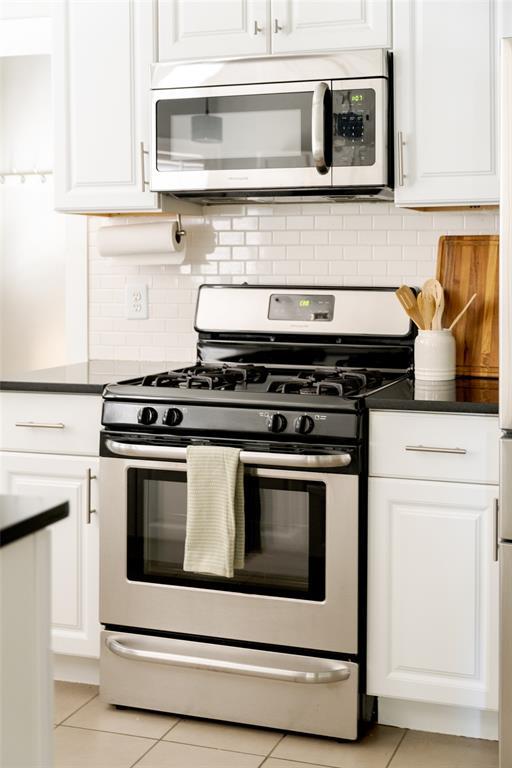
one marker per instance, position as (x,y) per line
(434,355)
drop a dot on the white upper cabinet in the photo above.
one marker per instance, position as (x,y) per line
(196,29)
(188,29)
(302,25)
(446,113)
(103,54)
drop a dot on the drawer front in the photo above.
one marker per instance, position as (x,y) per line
(434,446)
(238,685)
(50,423)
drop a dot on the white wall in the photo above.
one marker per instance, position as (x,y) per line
(343,244)
(32,235)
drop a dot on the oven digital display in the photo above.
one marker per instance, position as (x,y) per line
(301,306)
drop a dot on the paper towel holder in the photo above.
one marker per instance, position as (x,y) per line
(180,232)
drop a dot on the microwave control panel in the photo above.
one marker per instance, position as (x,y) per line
(353,127)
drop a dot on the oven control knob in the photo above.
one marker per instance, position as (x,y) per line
(304,424)
(173,417)
(147,416)
(276,423)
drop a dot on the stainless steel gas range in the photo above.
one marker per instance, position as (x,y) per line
(282,374)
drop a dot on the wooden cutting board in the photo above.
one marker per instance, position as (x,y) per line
(468,264)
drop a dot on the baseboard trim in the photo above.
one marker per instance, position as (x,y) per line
(76,669)
(439,718)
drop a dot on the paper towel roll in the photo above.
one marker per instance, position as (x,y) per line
(155,242)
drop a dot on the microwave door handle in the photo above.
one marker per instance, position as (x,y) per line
(258,458)
(318,127)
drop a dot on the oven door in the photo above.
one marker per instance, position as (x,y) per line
(241,137)
(299,584)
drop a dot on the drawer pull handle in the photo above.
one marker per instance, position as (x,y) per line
(89,477)
(40,424)
(496,524)
(434,449)
(337,671)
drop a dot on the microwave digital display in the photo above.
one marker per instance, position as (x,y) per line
(354,127)
(301,306)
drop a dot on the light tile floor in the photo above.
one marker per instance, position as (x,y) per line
(90,734)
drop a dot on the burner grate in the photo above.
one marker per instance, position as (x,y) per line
(337,383)
(225,377)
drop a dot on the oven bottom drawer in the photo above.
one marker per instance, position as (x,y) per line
(275,690)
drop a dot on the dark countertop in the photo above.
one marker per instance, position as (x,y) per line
(82,378)
(463,395)
(23,515)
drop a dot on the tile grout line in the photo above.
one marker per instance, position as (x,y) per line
(273,749)
(406,731)
(77,709)
(178,720)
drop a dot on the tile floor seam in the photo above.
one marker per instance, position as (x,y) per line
(295,760)
(274,748)
(218,749)
(79,708)
(178,720)
(406,731)
(145,753)
(114,733)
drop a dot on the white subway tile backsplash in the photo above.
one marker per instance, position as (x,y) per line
(343,237)
(357,252)
(231,238)
(245,253)
(288,237)
(304,244)
(245,223)
(386,252)
(272,222)
(272,252)
(258,238)
(314,237)
(372,237)
(300,222)
(314,267)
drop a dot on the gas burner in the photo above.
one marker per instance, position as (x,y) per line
(336,382)
(224,377)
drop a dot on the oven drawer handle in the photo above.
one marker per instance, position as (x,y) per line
(336,674)
(260,458)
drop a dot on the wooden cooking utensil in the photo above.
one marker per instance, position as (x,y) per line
(427,307)
(462,311)
(434,288)
(408,301)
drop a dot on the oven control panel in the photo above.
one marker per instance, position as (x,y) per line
(178,418)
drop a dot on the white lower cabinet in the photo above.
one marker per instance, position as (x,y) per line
(75,542)
(433,592)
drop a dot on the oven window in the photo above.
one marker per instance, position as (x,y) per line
(233,133)
(284,534)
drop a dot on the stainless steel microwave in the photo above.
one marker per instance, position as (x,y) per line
(272,126)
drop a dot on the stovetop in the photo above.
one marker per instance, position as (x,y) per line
(286,369)
(314,404)
(336,382)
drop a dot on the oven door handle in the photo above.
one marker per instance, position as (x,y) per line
(259,458)
(333,671)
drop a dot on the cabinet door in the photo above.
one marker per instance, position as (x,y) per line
(103,53)
(75,544)
(198,29)
(433,592)
(302,25)
(446,75)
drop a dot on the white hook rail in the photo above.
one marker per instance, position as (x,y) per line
(23,174)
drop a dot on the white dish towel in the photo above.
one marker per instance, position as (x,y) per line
(215,537)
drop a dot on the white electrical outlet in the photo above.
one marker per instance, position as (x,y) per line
(136,301)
